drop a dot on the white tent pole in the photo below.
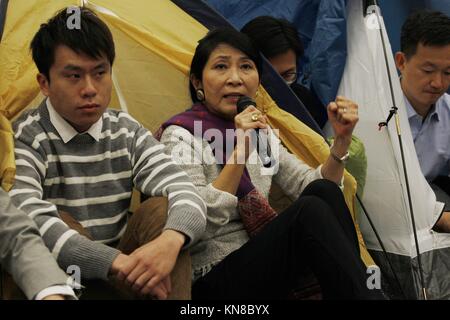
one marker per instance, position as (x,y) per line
(399,135)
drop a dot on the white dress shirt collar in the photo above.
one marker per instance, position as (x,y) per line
(66,131)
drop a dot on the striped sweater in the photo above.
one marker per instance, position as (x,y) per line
(93,181)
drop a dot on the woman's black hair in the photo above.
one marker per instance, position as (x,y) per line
(215,37)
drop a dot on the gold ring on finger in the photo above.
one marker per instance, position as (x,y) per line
(255,116)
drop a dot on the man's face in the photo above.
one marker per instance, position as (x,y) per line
(79,87)
(286,65)
(425,75)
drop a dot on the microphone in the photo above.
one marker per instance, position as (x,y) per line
(262,145)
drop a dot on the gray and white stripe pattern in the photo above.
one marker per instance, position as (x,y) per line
(93,182)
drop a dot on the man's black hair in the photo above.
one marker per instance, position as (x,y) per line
(93,38)
(430,28)
(273,36)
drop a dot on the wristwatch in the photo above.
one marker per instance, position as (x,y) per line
(343,159)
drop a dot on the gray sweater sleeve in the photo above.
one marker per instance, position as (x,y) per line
(156,174)
(23,253)
(67,246)
(192,156)
(293,174)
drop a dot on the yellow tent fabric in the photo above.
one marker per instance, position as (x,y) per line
(18,86)
(7,166)
(149,73)
(153,55)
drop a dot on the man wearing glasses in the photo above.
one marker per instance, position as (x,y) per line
(280,43)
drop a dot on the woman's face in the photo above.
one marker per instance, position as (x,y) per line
(228,75)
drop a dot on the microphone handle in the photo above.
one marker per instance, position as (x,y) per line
(266,155)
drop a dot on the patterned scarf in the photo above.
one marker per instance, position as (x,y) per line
(254,209)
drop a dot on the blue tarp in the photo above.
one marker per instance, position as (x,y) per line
(322,28)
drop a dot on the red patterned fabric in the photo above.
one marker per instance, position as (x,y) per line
(255,211)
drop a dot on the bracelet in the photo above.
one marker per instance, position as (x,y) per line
(343,159)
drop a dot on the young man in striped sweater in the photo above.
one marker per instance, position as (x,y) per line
(77,163)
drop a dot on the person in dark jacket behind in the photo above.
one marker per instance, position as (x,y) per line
(280,43)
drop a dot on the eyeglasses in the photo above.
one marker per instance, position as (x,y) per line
(290,77)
